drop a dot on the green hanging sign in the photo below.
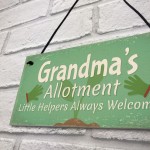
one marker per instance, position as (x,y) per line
(102,85)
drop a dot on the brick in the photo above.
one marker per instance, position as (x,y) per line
(6,144)
(2,39)
(6,105)
(7,3)
(60,5)
(23,13)
(7,97)
(45,145)
(77,25)
(117,15)
(127,135)
(11,68)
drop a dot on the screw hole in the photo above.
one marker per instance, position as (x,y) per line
(30,63)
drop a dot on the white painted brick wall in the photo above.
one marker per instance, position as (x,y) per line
(7,144)
(11,76)
(116,15)
(23,13)
(25,0)
(42,145)
(38,34)
(2,40)
(122,135)
(25,27)
(7,3)
(61,5)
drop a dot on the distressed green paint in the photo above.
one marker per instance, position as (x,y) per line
(132,108)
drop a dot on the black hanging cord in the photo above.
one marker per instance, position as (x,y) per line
(59,27)
(142,17)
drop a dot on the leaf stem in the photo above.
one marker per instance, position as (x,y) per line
(147,91)
(76,112)
(27,98)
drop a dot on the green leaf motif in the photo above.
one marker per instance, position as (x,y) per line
(97,78)
(136,85)
(34,93)
(67,84)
